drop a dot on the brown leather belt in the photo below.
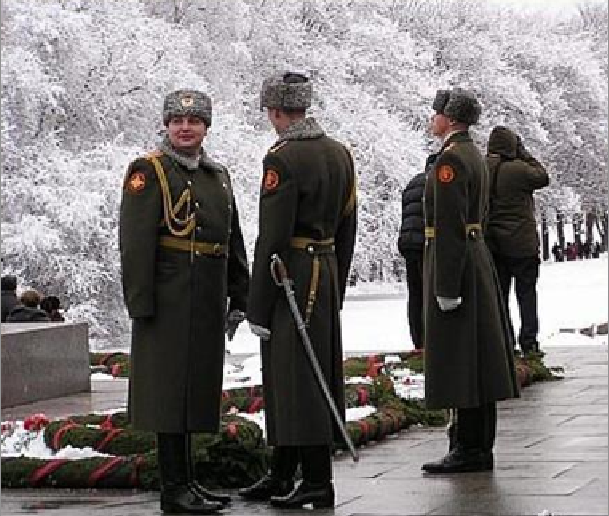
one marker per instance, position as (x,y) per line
(313,246)
(316,248)
(476,228)
(183,244)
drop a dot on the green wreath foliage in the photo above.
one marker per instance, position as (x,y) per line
(237,455)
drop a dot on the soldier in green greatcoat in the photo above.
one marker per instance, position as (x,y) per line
(183,262)
(468,345)
(308,216)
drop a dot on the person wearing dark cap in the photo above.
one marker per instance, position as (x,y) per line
(511,230)
(468,345)
(51,305)
(9,295)
(182,255)
(307,215)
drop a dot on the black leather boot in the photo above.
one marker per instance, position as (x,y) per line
(177,497)
(461,460)
(321,496)
(266,487)
(203,492)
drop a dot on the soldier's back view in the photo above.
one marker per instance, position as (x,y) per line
(307,217)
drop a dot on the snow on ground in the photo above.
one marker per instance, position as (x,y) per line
(352,414)
(374,318)
(17,441)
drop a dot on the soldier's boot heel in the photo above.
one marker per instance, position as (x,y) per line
(182,500)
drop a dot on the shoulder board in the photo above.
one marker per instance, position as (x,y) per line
(281,144)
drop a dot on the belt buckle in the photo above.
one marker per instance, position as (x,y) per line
(217,250)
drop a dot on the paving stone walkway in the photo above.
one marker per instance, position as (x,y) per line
(551,455)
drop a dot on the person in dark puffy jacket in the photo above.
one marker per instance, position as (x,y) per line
(411,243)
(511,230)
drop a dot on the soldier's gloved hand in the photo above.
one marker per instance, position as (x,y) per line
(447,304)
(233,320)
(263,333)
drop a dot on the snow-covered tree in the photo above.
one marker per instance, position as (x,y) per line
(83,82)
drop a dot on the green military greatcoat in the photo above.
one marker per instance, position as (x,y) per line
(308,192)
(176,289)
(468,351)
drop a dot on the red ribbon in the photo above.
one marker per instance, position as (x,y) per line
(107,423)
(104,358)
(59,434)
(256,405)
(363,425)
(103,470)
(109,436)
(362,397)
(137,463)
(41,473)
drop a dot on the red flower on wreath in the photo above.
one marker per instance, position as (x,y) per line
(35,422)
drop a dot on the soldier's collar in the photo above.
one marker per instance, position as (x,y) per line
(303,129)
(191,163)
(455,137)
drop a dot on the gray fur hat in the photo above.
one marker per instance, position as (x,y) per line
(187,102)
(440,101)
(463,107)
(286,91)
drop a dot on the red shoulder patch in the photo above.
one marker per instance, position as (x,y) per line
(136,182)
(271,180)
(446,174)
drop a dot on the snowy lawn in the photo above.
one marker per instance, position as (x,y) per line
(374,319)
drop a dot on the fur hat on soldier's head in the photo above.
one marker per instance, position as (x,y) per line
(187,103)
(291,91)
(440,101)
(462,107)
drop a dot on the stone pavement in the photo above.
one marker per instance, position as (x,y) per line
(551,455)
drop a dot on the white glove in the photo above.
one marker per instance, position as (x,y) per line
(447,304)
(263,333)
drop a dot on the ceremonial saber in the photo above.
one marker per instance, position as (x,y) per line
(280,276)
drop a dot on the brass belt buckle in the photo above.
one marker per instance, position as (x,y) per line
(217,250)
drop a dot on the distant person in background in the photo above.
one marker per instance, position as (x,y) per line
(558,253)
(596,250)
(511,230)
(9,295)
(586,249)
(571,252)
(411,243)
(51,305)
(28,309)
